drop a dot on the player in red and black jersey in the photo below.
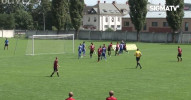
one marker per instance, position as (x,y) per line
(99,52)
(111,97)
(109,49)
(179,56)
(92,48)
(117,49)
(55,67)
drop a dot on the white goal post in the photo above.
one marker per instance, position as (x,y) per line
(50,44)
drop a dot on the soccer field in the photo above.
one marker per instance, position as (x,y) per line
(162,77)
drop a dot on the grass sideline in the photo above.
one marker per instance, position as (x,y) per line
(162,77)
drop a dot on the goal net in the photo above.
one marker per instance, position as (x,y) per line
(50,44)
(185,38)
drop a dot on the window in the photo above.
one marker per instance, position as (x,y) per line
(186,26)
(154,24)
(118,26)
(95,19)
(112,26)
(112,19)
(106,26)
(165,24)
(126,23)
(89,19)
(118,19)
(106,19)
(145,26)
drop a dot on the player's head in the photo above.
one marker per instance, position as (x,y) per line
(111,93)
(92,43)
(137,49)
(103,45)
(71,94)
(80,44)
(100,46)
(84,42)
(111,42)
(178,46)
(56,57)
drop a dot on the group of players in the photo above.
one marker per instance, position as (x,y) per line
(101,52)
(111,96)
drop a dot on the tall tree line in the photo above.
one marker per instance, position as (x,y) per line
(44,15)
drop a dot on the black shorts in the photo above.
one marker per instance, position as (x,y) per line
(116,49)
(91,52)
(109,49)
(137,58)
(179,55)
(55,69)
(99,55)
(6,44)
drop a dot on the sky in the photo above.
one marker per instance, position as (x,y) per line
(93,2)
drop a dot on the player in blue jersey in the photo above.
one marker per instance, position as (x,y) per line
(84,48)
(104,52)
(6,44)
(79,51)
(121,48)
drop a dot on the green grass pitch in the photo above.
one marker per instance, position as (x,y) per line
(162,77)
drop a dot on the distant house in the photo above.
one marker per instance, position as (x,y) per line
(104,15)
(156,22)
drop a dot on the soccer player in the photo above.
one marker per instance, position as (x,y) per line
(83,48)
(55,67)
(117,48)
(92,48)
(70,96)
(6,44)
(121,48)
(138,56)
(99,53)
(111,97)
(79,51)
(104,51)
(109,49)
(179,56)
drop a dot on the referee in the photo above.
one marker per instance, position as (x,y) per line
(138,56)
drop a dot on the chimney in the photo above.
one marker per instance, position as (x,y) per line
(98,2)
(114,2)
(159,4)
(104,1)
(127,3)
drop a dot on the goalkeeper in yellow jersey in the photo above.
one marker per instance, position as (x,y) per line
(138,56)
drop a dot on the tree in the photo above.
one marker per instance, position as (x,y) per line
(59,13)
(7,21)
(76,14)
(23,20)
(138,12)
(174,18)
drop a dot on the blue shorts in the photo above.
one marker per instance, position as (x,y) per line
(103,54)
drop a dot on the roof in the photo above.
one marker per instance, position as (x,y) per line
(108,8)
(152,14)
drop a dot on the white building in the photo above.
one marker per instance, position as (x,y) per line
(104,15)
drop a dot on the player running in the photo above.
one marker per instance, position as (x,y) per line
(104,51)
(83,48)
(138,56)
(99,52)
(92,48)
(6,44)
(179,56)
(117,48)
(79,51)
(109,49)
(55,67)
